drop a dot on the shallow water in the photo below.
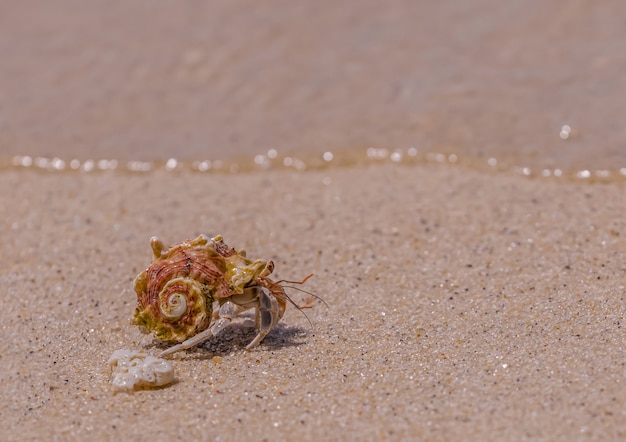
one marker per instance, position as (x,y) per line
(526,86)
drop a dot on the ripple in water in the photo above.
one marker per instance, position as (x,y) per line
(490,85)
(274,160)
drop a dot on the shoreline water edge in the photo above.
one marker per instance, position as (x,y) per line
(303,161)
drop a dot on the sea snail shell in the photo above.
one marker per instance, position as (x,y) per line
(175,294)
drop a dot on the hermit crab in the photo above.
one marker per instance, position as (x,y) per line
(177,292)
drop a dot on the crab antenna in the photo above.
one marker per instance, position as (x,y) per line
(319,298)
(294,282)
(300,310)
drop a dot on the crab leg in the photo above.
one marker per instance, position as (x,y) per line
(226,314)
(268,313)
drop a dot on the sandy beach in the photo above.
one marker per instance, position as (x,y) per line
(462,305)
(466,300)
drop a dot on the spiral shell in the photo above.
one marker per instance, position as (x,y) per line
(175,294)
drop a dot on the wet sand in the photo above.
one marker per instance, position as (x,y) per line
(463,305)
(142,80)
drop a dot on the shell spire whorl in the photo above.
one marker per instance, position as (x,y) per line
(175,293)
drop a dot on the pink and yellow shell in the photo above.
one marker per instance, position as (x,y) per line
(175,294)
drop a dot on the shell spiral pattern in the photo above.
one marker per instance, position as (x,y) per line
(175,293)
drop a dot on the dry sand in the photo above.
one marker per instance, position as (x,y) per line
(463,306)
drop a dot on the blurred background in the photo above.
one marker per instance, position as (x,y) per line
(541,83)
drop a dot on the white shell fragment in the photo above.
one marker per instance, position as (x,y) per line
(134,370)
